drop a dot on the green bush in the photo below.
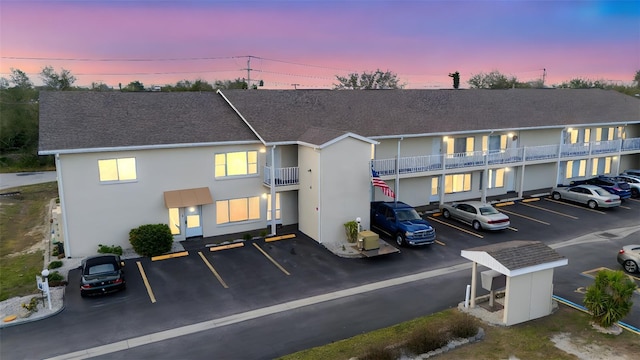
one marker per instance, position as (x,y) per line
(247,237)
(609,298)
(379,352)
(105,249)
(426,339)
(151,240)
(55,276)
(463,326)
(55,264)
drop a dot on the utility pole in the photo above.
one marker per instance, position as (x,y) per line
(248,72)
(544,75)
(295,86)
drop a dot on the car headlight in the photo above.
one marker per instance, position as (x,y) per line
(408,233)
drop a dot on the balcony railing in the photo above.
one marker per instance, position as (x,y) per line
(283,176)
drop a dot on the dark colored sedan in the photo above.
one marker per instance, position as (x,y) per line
(619,188)
(102,274)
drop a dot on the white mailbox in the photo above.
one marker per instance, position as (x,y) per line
(493,280)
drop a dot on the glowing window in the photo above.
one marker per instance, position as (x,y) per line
(269,207)
(123,169)
(236,163)
(457,183)
(237,210)
(496,178)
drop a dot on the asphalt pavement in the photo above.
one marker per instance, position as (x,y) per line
(14,180)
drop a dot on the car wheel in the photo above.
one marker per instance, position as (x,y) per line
(630,266)
(592,204)
(400,240)
(446,214)
(476,225)
(635,192)
(556,196)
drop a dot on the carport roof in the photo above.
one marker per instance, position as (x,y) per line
(513,258)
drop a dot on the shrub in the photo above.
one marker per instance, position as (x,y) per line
(609,298)
(32,305)
(351,228)
(151,240)
(55,264)
(247,237)
(379,352)
(104,249)
(55,276)
(463,326)
(426,339)
(264,233)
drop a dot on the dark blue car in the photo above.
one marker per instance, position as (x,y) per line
(621,189)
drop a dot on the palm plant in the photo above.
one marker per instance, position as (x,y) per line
(609,298)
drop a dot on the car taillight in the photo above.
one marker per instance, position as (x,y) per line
(118,281)
(85,286)
(621,251)
(497,221)
(608,200)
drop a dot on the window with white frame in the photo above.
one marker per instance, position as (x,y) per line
(601,166)
(576,168)
(236,163)
(237,210)
(460,145)
(494,143)
(269,207)
(496,178)
(120,169)
(457,183)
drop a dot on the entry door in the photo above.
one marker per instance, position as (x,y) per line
(193,221)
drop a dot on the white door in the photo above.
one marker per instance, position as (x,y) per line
(193,221)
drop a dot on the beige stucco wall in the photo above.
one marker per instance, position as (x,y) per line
(309,193)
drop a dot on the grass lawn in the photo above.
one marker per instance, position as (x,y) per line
(530,340)
(22,230)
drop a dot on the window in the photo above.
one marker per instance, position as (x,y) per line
(123,169)
(457,183)
(236,163)
(576,168)
(236,210)
(601,166)
(496,178)
(277,207)
(434,186)
(460,146)
(494,143)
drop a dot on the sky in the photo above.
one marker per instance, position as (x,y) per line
(305,44)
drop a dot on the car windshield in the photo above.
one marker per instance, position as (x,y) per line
(488,210)
(602,192)
(101,269)
(408,214)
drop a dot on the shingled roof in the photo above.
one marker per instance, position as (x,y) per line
(85,120)
(514,258)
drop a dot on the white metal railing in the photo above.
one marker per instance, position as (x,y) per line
(573,150)
(603,147)
(505,156)
(466,159)
(414,164)
(283,176)
(542,152)
(631,144)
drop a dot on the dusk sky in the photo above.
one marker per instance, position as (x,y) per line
(305,44)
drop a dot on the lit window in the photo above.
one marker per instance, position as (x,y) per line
(236,210)
(277,207)
(457,183)
(576,168)
(496,178)
(123,169)
(236,163)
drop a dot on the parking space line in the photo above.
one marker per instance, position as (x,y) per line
(576,206)
(282,237)
(271,259)
(525,217)
(213,270)
(551,211)
(625,207)
(456,227)
(440,243)
(512,229)
(224,247)
(146,282)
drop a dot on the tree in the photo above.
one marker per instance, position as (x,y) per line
(578,83)
(20,79)
(134,86)
(609,298)
(53,80)
(100,86)
(373,80)
(228,84)
(494,80)
(636,79)
(456,79)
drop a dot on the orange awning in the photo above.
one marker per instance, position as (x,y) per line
(187,197)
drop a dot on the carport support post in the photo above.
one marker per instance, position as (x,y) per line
(273,190)
(474,280)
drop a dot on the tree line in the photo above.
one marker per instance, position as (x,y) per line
(19,109)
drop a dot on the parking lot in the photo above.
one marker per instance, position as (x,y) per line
(256,274)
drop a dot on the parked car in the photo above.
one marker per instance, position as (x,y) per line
(634,172)
(591,195)
(102,274)
(629,258)
(619,188)
(633,181)
(402,222)
(477,214)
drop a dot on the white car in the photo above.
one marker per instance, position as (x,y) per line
(477,214)
(591,195)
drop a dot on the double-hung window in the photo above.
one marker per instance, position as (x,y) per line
(236,210)
(457,183)
(120,169)
(236,163)
(496,178)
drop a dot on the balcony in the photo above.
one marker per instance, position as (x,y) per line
(504,157)
(283,176)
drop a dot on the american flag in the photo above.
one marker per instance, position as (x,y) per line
(376,181)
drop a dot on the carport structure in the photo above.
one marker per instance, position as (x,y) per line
(528,268)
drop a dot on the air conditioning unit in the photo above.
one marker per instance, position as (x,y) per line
(368,240)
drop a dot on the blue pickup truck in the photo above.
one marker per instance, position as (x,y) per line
(402,222)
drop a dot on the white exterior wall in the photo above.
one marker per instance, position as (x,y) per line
(288,207)
(104,213)
(539,137)
(413,191)
(309,193)
(528,297)
(539,176)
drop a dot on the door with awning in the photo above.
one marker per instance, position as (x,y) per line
(185,210)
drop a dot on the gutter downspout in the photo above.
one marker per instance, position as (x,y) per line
(67,246)
(397,182)
(273,190)
(562,132)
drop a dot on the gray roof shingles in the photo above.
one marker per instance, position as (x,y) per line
(520,254)
(79,120)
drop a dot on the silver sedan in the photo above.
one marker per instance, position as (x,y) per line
(629,258)
(477,214)
(591,195)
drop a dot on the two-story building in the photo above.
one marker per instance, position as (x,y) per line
(240,161)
